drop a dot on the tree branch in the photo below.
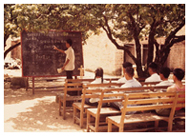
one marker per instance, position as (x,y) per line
(9,49)
(173,33)
(176,39)
(109,34)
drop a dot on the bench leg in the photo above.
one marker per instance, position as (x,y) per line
(64,109)
(88,122)
(96,124)
(170,126)
(59,107)
(121,128)
(81,119)
(109,126)
(156,124)
(74,114)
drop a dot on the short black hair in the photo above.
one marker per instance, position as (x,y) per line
(129,71)
(179,73)
(127,64)
(153,66)
(165,71)
(69,41)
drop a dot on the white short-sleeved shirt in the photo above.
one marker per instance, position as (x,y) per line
(123,80)
(97,81)
(131,83)
(153,78)
(165,83)
(71,56)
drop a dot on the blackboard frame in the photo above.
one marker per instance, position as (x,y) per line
(76,71)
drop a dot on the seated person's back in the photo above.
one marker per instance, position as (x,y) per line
(164,74)
(178,75)
(124,65)
(152,70)
(98,80)
(131,82)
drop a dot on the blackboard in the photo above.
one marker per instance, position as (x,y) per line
(39,59)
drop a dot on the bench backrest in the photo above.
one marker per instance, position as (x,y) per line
(149,83)
(90,80)
(108,98)
(102,85)
(152,101)
(72,87)
(89,93)
(135,89)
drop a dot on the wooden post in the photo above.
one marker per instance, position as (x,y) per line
(33,85)
(81,71)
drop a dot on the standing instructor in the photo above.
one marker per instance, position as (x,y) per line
(69,64)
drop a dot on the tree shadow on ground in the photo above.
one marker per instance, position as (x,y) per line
(43,117)
(13,96)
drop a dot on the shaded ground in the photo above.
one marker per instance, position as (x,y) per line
(24,111)
(39,112)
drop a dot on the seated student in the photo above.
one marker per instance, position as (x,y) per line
(98,80)
(164,74)
(123,79)
(99,72)
(152,70)
(178,75)
(131,82)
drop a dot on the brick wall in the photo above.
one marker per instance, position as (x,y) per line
(176,58)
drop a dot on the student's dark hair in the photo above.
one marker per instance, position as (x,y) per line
(179,73)
(153,66)
(165,71)
(127,64)
(129,71)
(69,41)
(99,72)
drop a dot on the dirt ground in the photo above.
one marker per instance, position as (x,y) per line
(39,112)
(25,112)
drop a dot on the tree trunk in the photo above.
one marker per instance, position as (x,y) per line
(11,48)
(138,59)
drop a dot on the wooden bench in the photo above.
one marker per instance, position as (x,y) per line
(95,112)
(146,101)
(79,108)
(100,113)
(63,100)
(88,90)
(88,80)
(70,87)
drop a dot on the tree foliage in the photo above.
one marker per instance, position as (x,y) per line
(125,22)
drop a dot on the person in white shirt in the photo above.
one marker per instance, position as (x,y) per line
(69,64)
(98,80)
(164,74)
(152,70)
(131,82)
(99,72)
(124,65)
